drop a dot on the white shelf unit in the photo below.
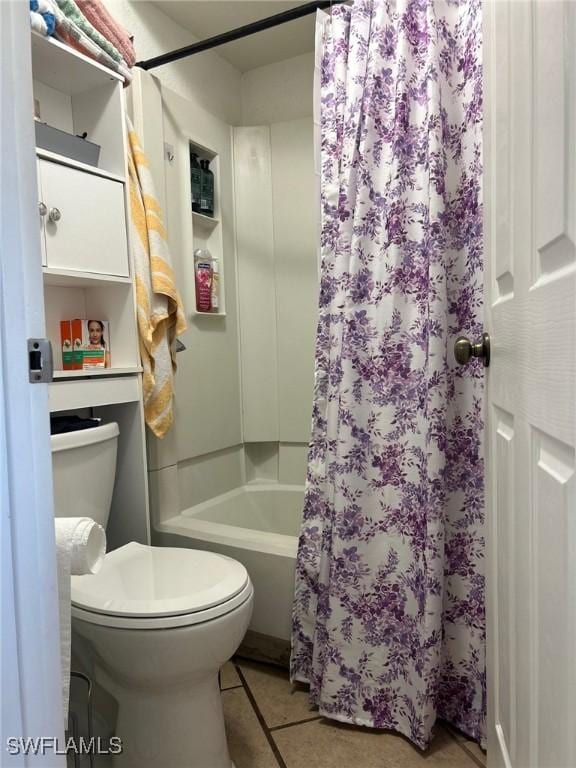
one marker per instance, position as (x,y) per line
(79,394)
(58,375)
(82,221)
(70,278)
(45,154)
(201,220)
(207,230)
(112,301)
(86,269)
(77,95)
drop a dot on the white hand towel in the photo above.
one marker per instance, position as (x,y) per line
(81,546)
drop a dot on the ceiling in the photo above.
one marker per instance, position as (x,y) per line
(206,18)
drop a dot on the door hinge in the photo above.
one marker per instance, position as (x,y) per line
(40,363)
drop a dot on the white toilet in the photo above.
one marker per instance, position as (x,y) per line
(156,622)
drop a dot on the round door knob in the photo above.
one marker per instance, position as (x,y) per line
(54,214)
(42,210)
(464,350)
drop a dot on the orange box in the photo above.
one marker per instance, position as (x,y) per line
(76,326)
(71,340)
(66,345)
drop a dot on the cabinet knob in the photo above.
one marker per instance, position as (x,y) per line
(42,210)
(54,214)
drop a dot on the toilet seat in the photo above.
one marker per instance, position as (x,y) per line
(143,587)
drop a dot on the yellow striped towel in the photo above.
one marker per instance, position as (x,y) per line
(159,307)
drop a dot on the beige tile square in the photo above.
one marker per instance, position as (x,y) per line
(229,677)
(278,701)
(326,744)
(249,747)
(470,746)
(474,749)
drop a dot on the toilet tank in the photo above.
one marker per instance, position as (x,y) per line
(84,468)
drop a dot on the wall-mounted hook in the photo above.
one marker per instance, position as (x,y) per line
(169,152)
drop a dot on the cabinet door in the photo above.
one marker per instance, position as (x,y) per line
(42,211)
(85,224)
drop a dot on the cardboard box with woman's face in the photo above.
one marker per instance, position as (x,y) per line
(95,344)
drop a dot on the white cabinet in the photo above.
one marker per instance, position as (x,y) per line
(86,263)
(42,211)
(84,220)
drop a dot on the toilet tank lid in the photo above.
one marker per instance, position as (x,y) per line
(68,440)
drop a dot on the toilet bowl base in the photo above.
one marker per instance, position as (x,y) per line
(163,683)
(182,728)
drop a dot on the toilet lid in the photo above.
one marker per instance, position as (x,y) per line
(139,581)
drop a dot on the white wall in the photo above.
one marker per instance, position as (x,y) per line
(207,78)
(278,92)
(277,264)
(273,93)
(294,196)
(208,412)
(276,234)
(205,448)
(202,99)
(254,212)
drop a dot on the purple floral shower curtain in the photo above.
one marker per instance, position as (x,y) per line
(388,624)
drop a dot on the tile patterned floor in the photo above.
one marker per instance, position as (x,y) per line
(271,725)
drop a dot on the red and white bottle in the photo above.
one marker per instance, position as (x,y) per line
(203,279)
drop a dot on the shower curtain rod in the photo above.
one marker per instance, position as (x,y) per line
(236,34)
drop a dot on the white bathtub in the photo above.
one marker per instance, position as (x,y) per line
(257,524)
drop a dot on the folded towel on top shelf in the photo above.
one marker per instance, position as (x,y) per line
(98,15)
(42,17)
(159,307)
(50,19)
(71,34)
(74,14)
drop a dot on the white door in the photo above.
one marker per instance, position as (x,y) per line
(530,201)
(30,650)
(85,223)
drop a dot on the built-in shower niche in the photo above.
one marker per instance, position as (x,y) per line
(207,230)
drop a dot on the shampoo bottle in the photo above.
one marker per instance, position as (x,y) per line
(207,190)
(195,181)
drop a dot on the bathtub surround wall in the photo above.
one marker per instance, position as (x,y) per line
(389,625)
(269,341)
(295,214)
(208,416)
(208,89)
(211,474)
(244,383)
(270,462)
(276,233)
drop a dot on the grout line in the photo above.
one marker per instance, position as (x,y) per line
(231,687)
(464,748)
(268,731)
(296,722)
(269,737)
